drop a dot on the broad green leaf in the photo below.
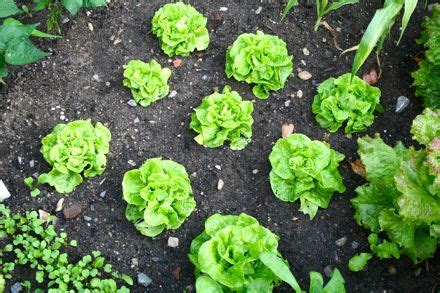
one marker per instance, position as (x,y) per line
(208,285)
(21,51)
(336,283)
(359,261)
(280,269)
(378,26)
(35,32)
(72,5)
(8,8)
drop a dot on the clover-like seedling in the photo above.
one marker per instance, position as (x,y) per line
(307,170)
(181,29)
(74,150)
(259,59)
(346,100)
(223,117)
(148,82)
(159,196)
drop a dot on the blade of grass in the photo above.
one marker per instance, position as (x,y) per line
(339,4)
(289,7)
(410,6)
(379,25)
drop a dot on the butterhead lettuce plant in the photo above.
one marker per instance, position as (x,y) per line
(181,29)
(148,82)
(259,59)
(159,196)
(223,117)
(74,150)
(307,170)
(341,100)
(237,254)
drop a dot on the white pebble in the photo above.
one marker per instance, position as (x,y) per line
(223,8)
(299,93)
(4,192)
(306,51)
(172,94)
(255,171)
(173,242)
(258,11)
(90,25)
(287,103)
(220,184)
(218,167)
(136,120)
(304,75)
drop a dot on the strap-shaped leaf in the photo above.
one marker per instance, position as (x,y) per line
(339,4)
(289,6)
(8,8)
(375,30)
(280,269)
(410,6)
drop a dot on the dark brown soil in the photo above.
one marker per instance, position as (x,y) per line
(63,85)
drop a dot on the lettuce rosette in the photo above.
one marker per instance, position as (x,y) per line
(148,82)
(259,59)
(237,254)
(307,170)
(74,150)
(341,100)
(181,29)
(223,117)
(401,200)
(159,196)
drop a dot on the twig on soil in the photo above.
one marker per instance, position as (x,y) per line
(332,31)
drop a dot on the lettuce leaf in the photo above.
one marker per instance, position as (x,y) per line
(223,117)
(259,59)
(74,150)
(159,196)
(341,99)
(181,29)
(148,82)
(306,170)
(426,126)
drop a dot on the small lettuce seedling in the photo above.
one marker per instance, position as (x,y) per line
(259,59)
(28,241)
(74,150)
(341,100)
(307,170)
(223,117)
(148,82)
(181,29)
(237,254)
(159,196)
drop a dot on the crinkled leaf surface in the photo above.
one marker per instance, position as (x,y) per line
(159,196)
(306,170)
(181,29)
(259,59)
(343,100)
(426,126)
(223,117)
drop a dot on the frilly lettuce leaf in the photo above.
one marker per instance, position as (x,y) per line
(426,126)
(342,99)
(159,196)
(259,59)
(148,82)
(306,170)
(430,37)
(181,29)
(223,117)
(359,261)
(237,254)
(74,150)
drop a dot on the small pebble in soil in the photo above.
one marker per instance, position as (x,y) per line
(107,83)
(135,262)
(132,103)
(341,241)
(218,167)
(328,271)
(173,242)
(204,77)
(287,129)
(354,245)
(136,120)
(155,259)
(96,78)
(72,211)
(65,20)
(90,25)
(144,280)
(194,174)
(19,159)
(87,218)
(255,171)
(131,163)
(402,103)
(172,94)
(287,103)
(17,287)
(220,184)
(4,192)
(392,270)
(43,215)
(258,11)
(102,194)
(299,93)
(60,205)
(32,163)
(223,8)
(306,51)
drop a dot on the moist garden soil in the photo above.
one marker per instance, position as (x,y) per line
(83,79)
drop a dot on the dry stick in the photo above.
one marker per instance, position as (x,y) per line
(332,31)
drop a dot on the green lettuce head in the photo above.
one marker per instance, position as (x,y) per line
(148,82)
(259,59)
(74,150)
(307,170)
(181,29)
(426,83)
(400,200)
(426,126)
(340,100)
(223,117)
(237,254)
(159,196)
